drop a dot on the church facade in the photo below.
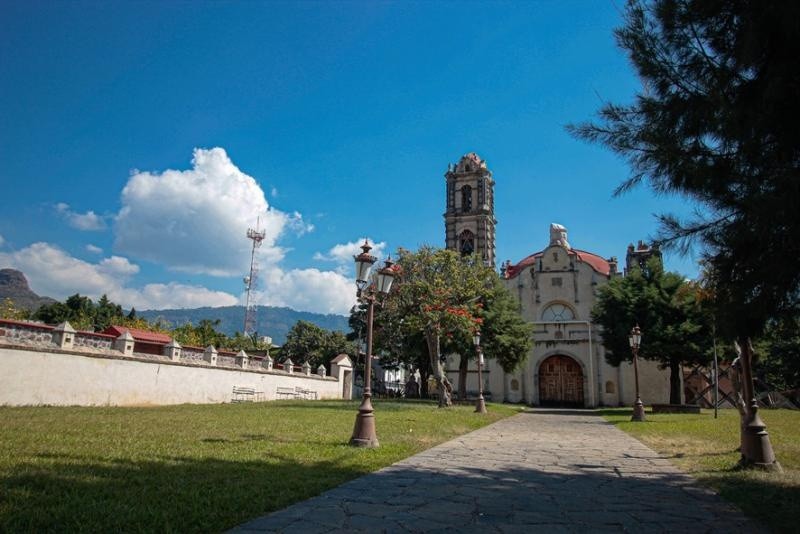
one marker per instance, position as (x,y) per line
(556,288)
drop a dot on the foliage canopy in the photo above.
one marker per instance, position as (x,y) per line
(716,121)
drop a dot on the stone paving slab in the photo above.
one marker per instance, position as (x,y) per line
(538,471)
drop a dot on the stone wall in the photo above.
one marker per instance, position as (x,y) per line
(25,333)
(96,370)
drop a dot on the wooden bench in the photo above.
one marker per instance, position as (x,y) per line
(246,394)
(285,393)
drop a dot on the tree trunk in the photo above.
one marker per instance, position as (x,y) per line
(737,381)
(675,381)
(443,385)
(463,366)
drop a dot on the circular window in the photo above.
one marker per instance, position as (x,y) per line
(558,312)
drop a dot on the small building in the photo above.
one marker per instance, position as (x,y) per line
(144,341)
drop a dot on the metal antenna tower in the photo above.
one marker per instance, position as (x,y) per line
(257,236)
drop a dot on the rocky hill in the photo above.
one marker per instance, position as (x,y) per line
(14,285)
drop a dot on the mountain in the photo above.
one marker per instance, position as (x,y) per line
(14,285)
(272,322)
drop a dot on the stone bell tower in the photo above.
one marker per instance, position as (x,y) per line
(469,218)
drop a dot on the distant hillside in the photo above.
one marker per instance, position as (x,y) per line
(14,285)
(273,322)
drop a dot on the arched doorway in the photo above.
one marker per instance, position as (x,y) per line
(560,382)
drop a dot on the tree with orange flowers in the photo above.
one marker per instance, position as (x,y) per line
(444,296)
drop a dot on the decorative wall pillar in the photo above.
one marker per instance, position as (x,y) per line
(124,343)
(173,351)
(64,335)
(288,366)
(210,355)
(321,370)
(307,368)
(242,359)
(268,363)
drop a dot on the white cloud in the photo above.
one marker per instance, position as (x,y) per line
(54,273)
(196,220)
(2,241)
(307,289)
(173,295)
(273,192)
(298,225)
(344,252)
(117,266)
(88,221)
(94,249)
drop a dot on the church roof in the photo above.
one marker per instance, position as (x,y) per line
(597,263)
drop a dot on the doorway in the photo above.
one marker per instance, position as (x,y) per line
(561,382)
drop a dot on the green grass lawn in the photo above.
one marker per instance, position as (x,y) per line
(707,448)
(196,467)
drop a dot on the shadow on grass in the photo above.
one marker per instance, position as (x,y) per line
(165,494)
(770,498)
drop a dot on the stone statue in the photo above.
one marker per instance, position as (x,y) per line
(558,235)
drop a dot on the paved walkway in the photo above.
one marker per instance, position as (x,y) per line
(539,471)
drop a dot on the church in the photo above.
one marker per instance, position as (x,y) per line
(556,288)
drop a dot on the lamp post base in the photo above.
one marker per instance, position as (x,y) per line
(638,411)
(480,406)
(364,430)
(756,448)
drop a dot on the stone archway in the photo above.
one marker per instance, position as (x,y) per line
(561,382)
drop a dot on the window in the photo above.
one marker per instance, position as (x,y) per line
(558,312)
(610,388)
(466,243)
(557,281)
(466,198)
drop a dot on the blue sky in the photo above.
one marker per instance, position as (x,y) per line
(140,139)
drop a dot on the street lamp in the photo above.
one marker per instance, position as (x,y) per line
(480,406)
(364,431)
(635,341)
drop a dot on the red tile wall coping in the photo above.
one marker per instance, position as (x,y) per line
(105,338)
(27,324)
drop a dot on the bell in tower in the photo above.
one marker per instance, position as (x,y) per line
(469,216)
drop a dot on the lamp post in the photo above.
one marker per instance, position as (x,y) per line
(480,406)
(364,431)
(635,340)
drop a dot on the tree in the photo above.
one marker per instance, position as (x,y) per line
(307,342)
(78,310)
(670,313)
(436,295)
(106,313)
(505,335)
(202,335)
(9,311)
(778,353)
(716,122)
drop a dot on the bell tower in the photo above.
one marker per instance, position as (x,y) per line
(469,218)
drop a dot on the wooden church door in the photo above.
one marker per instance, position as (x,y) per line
(560,382)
